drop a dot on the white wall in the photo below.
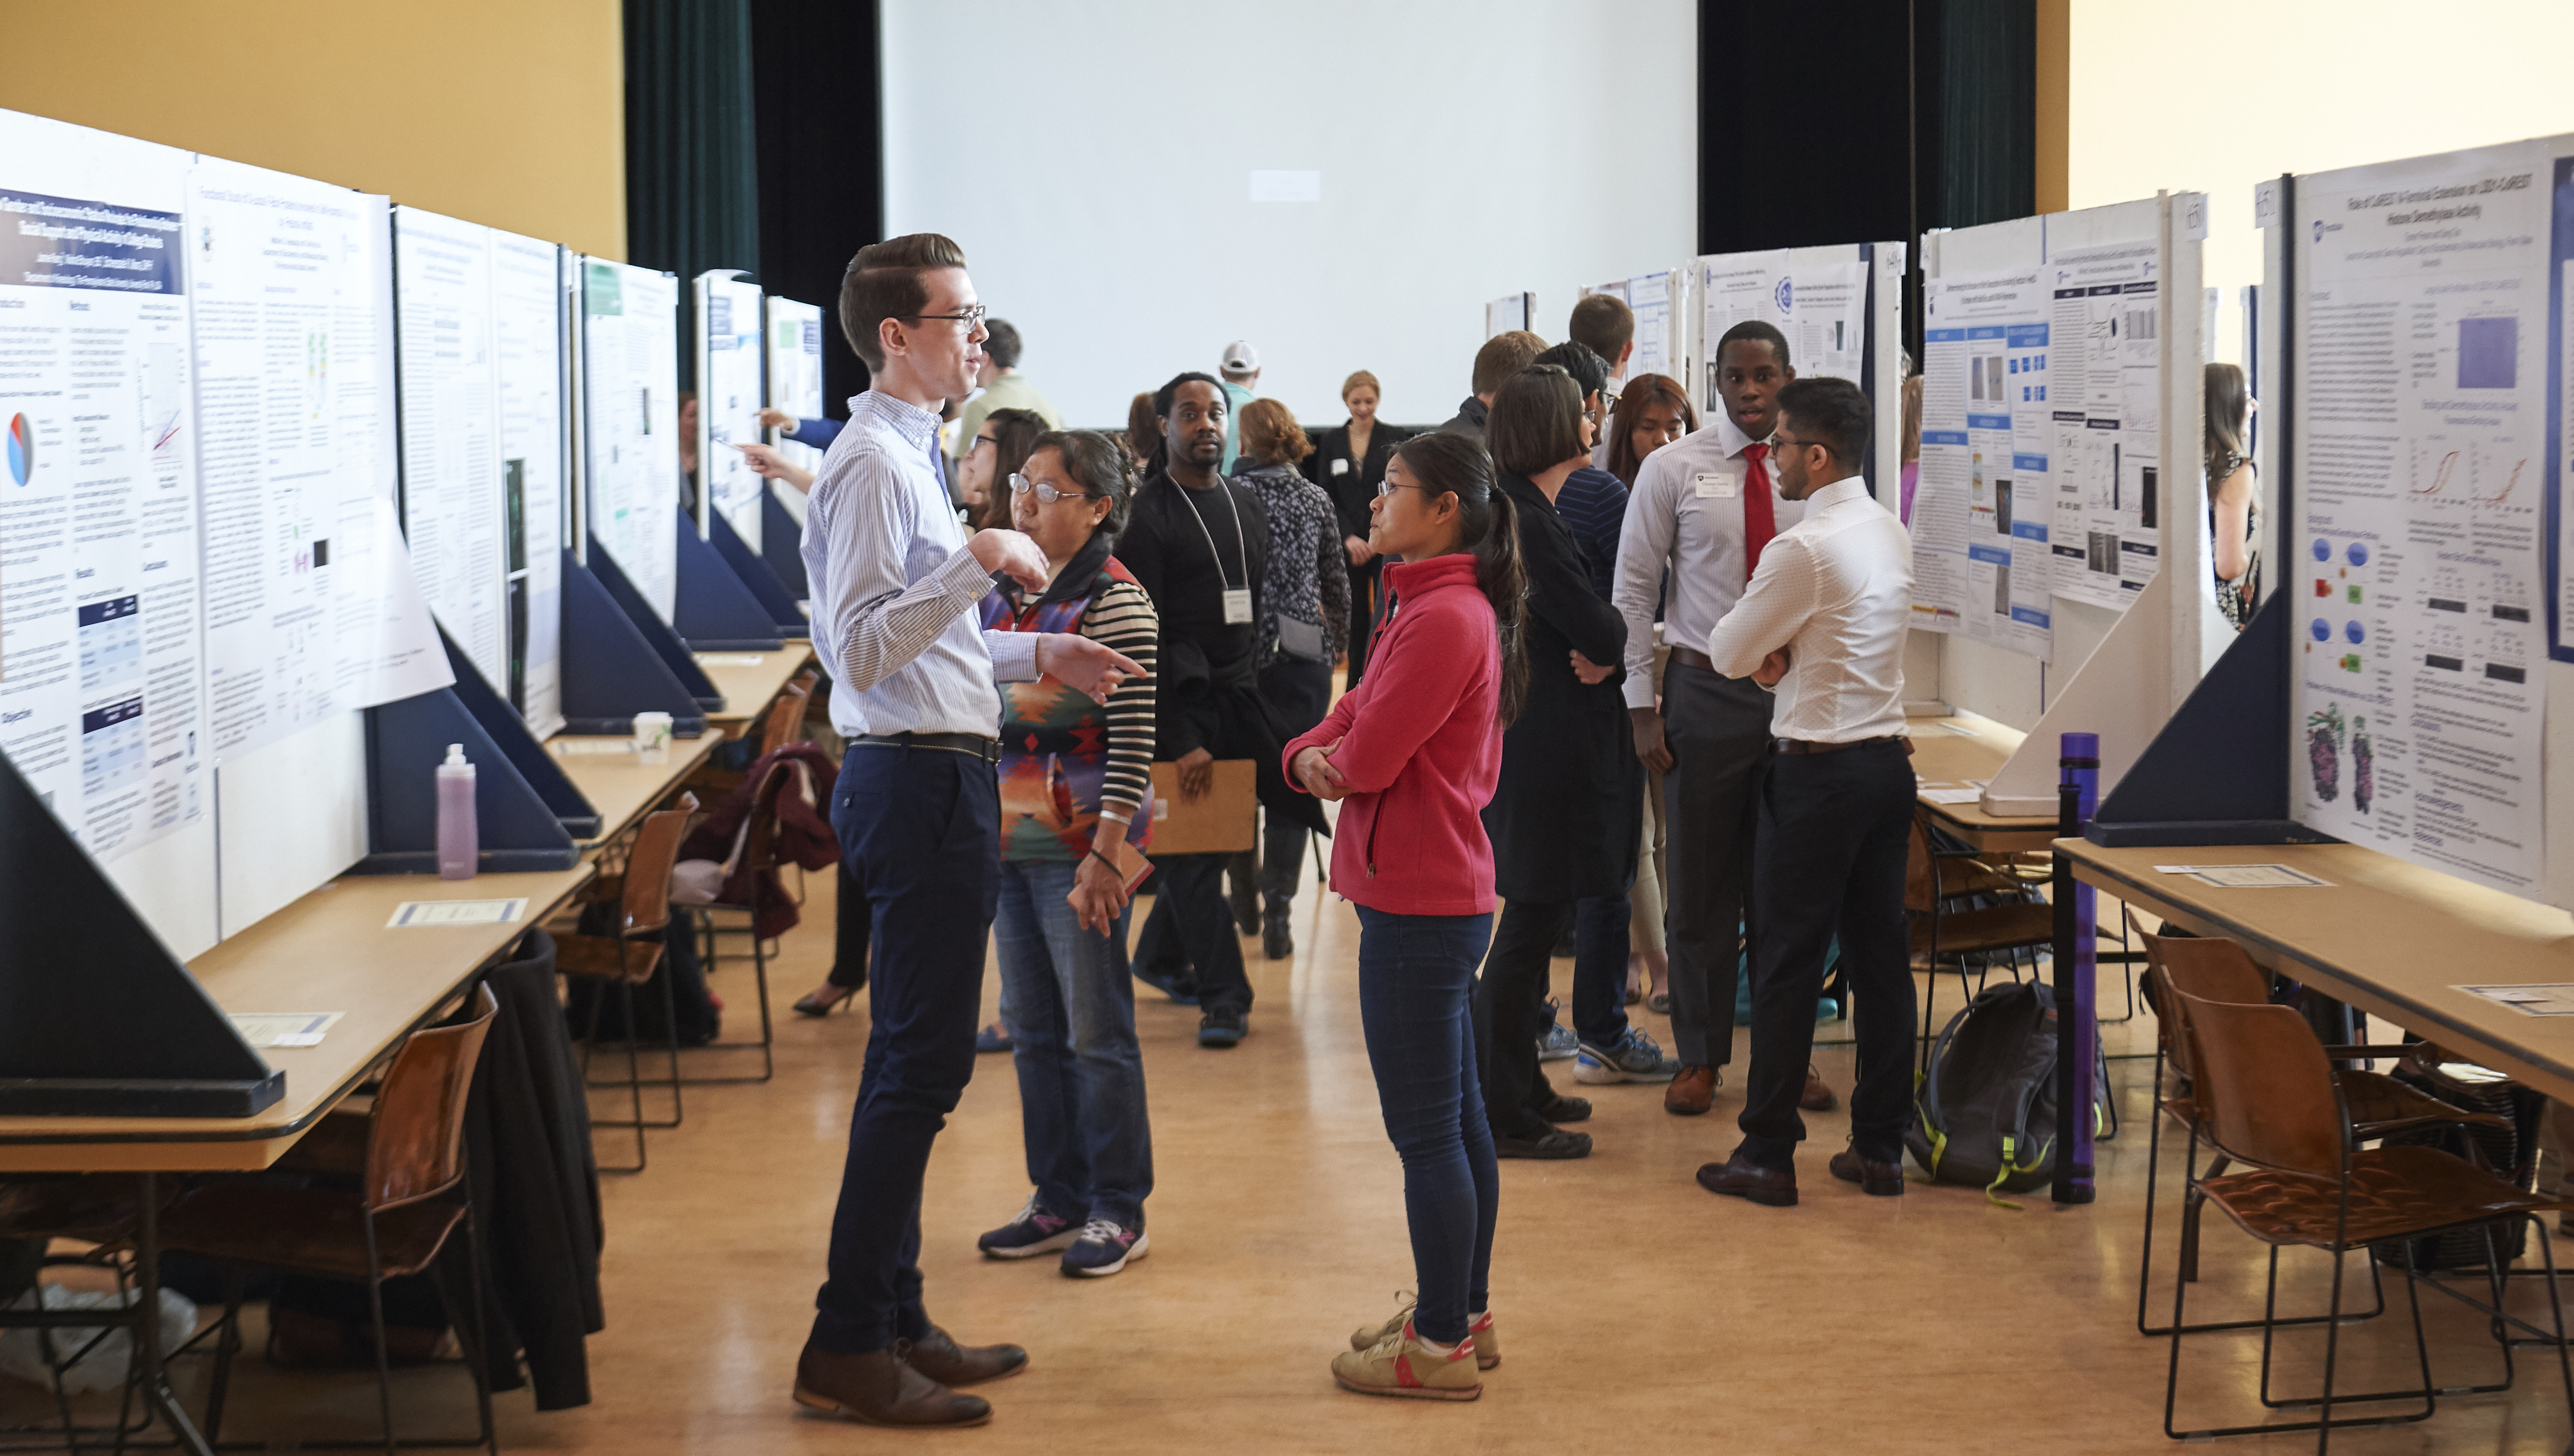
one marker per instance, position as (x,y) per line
(1095,159)
(2216,94)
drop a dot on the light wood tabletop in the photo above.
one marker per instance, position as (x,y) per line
(2389,937)
(750,682)
(327,951)
(1956,751)
(619,783)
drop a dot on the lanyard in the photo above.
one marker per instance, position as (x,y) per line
(1242,553)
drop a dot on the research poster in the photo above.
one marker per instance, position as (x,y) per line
(2560,409)
(2414,564)
(101,679)
(731,389)
(630,423)
(2104,370)
(794,386)
(528,343)
(1820,307)
(452,501)
(1980,515)
(1649,296)
(311,606)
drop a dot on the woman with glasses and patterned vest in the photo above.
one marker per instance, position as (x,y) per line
(1076,789)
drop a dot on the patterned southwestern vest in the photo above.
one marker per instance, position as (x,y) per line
(1054,739)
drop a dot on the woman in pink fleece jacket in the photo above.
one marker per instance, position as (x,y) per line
(1413,752)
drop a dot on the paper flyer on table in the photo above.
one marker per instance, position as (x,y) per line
(2414,564)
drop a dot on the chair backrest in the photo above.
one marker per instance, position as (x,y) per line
(759,840)
(416,1136)
(648,865)
(2207,966)
(2266,1092)
(1921,871)
(786,722)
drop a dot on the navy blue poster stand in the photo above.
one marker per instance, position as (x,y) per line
(715,612)
(521,748)
(771,593)
(781,544)
(610,669)
(2219,772)
(660,636)
(97,1017)
(515,827)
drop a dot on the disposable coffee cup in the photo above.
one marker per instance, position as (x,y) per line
(653,737)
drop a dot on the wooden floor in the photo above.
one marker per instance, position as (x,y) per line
(1640,1312)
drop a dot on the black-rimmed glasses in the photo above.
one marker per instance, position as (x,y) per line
(973,318)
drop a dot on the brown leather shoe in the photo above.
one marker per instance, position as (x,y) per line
(1875,1179)
(879,1388)
(1692,1092)
(938,1356)
(1739,1177)
(1816,1097)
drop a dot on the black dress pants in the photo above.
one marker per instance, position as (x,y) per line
(1507,1019)
(1833,832)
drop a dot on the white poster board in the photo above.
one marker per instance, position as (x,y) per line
(1980,563)
(2102,363)
(452,506)
(1819,303)
(730,363)
(102,674)
(311,606)
(794,385)
(527,334)
(630,423)
(2423,393)
(1509,312)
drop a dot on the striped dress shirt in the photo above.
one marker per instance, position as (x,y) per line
(895,588)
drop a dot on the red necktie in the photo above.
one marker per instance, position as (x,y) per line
(1759,520)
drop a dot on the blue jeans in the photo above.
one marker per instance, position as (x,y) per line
(1069,1005)
(1416,986)
(920,835)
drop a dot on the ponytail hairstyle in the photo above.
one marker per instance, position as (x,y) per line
(1446,464)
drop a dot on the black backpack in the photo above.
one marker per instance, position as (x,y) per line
(1986,1110)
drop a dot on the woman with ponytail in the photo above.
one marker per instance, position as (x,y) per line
(1413,754)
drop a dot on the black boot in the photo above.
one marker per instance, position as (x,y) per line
(1275,940)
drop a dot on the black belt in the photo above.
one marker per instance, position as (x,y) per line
(1810,746)
(973,746)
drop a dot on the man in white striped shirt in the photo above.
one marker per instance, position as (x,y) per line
(895,581)
(1823,625)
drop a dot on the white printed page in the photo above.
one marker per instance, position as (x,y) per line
(729,390)
(1981,561)
(1649,296)
(631,418)
(453,504)
(102,678)
(2104,378)
(2414,565)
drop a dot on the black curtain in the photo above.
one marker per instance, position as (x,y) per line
(821,172)
(691,162)
(1924,116)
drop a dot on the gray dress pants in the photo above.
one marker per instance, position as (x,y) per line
(1717,729)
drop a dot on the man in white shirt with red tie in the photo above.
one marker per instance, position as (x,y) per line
(1703,511)
(1821,627)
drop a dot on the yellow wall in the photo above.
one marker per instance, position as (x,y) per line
(2215,95)
(509,113)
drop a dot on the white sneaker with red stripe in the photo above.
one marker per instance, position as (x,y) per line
(1402,1365)
(1487,1338)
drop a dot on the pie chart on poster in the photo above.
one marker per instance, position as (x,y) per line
(22,449)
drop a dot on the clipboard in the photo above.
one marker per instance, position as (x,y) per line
(1224,822)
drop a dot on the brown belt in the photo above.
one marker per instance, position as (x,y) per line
(1692,658)
(1810,746)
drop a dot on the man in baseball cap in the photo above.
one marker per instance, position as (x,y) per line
(1240,367)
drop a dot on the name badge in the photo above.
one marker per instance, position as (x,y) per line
(1718,486)
(1237,606)
(1340,467)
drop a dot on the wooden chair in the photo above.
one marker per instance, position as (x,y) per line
(1932,881)
(413,1196)
(786,722)
(628,959)
(2265,1096)
(2217,970)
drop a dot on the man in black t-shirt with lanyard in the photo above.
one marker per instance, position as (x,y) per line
(1199,545)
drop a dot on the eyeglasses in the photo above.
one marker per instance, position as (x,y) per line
(1046,495)
(1782,441)
(982,440)
(973,318)
(1388,487)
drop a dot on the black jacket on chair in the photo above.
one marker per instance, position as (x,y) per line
(1567,814)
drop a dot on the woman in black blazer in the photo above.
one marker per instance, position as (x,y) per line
(1565,815)
(1349,464)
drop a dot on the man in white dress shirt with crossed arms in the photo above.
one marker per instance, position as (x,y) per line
(1823,625)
